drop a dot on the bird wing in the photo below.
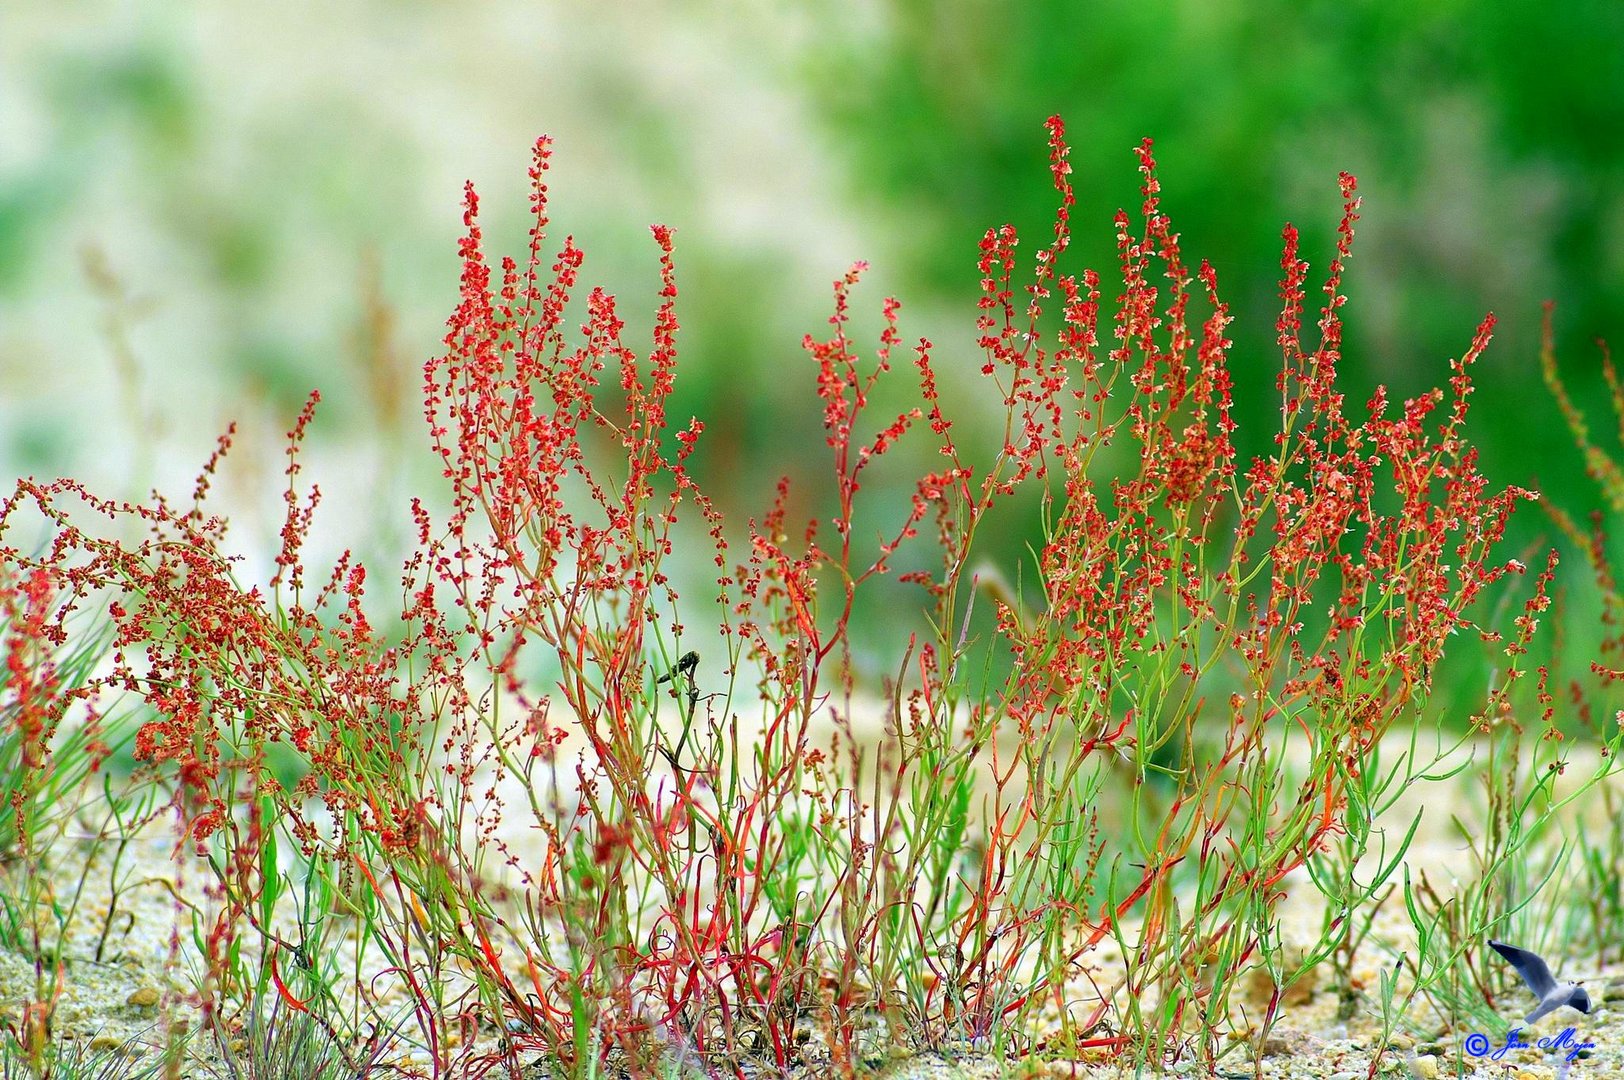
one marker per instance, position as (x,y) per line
(1533,970)
(1545,1006)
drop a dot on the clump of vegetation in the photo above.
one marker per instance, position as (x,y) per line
(1191,706)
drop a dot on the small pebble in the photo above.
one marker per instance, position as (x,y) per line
(105,1042)
(144,998)
(1425,1066)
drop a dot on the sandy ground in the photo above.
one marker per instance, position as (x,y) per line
(129,993)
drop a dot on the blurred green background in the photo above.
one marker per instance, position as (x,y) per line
(206,209)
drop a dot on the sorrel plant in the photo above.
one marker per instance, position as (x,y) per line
(711,878)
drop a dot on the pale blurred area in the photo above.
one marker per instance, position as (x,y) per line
(207,210)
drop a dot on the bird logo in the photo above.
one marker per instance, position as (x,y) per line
(1536,973)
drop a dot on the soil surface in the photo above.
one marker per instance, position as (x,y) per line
(122,1001)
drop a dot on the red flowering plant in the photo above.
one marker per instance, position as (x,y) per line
(225,672)
(53,740)
(1604,470)
(1585,672)
(1312,591)
(33,705)
(694,886)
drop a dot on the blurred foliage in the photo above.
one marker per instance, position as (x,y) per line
(1479,134)
(280,189)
